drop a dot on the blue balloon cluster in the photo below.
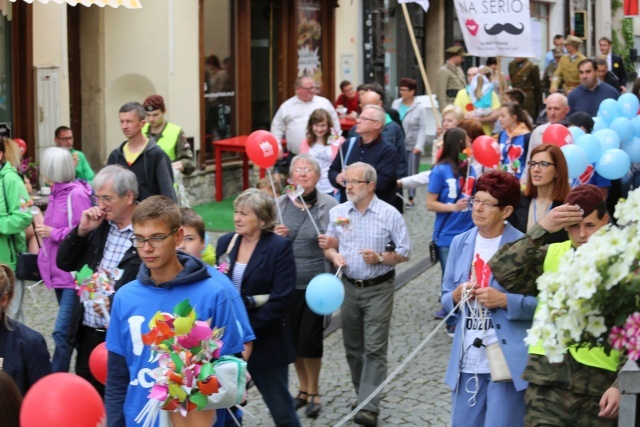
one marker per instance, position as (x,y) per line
(615,141)
(324,294)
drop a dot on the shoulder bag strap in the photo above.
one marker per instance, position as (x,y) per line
(351,143)
(232,243)
(69,210)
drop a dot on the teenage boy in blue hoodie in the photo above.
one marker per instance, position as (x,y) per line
(165,279)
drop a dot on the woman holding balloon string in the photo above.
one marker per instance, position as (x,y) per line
(514,139)
(547,187)
(306,218)
(262,268)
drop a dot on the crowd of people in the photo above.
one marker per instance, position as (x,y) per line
(496,230)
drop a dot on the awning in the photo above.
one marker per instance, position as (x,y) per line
(129,4)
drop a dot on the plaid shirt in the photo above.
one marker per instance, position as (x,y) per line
(117,244)
(378,225)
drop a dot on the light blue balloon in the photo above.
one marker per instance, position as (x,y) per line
(622,126)
(609,110)
(577,160)
(632,148)
(576,132)
(591,145)
(324,294)
(613,164)
(629,105)
(608,139)
(599,123)
(635,123)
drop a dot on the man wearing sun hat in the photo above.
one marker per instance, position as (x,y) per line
(450,77)
(567,76)
(569,393)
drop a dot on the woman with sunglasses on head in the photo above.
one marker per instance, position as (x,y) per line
(547,187)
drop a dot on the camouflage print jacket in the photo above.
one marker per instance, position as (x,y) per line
(517,266)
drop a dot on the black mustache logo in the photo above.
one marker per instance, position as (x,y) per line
(507,28)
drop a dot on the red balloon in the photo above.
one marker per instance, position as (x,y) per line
(21,145)
(486,151)
(62,400)
(262,148)
(98,362)
(557,135)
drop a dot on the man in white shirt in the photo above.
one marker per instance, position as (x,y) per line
(290,121)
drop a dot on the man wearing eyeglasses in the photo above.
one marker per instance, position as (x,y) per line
(64,139)
(372,239)
(102,239)
(291,119)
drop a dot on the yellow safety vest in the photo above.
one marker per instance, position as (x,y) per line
(168,139)
(594,357)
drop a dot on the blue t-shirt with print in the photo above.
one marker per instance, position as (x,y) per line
(595,179)
(445,184)
(521,145)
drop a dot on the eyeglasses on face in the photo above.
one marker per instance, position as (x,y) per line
(154,242)
(104,199)
(475,201)
(301,170)
(543,164)
(361,118)
(308,89)
(354,182)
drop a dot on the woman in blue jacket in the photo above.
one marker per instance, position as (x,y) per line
(492,322)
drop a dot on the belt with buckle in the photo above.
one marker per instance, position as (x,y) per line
(365,283)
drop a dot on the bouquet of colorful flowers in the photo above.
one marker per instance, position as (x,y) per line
(595,291)
(29,168)
(94,286)
(190,374)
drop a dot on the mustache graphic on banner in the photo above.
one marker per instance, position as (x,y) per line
(507,28)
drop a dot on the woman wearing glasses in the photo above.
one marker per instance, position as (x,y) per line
(68,199)
(488,354)
(262,268)
(310,261)
(547,187)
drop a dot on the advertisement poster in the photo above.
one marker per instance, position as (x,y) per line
(496,27)
(310,40)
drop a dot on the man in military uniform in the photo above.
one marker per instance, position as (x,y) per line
(525,75)
(567,76)
(450,77)
(550,70)
(168,136)
(569,393)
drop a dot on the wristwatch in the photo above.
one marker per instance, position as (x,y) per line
(380,258)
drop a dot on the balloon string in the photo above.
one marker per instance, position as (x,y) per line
(309,213)
(338,272)
(273,187)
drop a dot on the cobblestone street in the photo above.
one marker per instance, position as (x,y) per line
(416,397)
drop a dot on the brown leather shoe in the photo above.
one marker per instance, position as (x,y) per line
(366,418)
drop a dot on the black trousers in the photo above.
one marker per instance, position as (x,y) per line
(87,339)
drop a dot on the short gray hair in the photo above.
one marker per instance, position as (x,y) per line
(310,159)
(261,204)
(134,106)
(57,165)
(370,173)
(379,114)
(123,180)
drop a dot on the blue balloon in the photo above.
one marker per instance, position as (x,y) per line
(325,294)
(632,148)
(599,123)
(609,110)
(576,132)
(635,123)
(622,126)
(613,164)
(591,145)
(629,105)
(608,139)
(577,160)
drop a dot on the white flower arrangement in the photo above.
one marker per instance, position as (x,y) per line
(595,289)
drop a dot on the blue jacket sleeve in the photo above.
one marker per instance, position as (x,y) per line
(521,307)
(116,389)
(448,280)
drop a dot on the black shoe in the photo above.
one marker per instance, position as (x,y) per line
(299,400)
(366,418)
(313,408)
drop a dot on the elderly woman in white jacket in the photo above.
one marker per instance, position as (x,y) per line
(414,123)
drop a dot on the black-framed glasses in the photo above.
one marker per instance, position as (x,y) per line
(354,182)
(154,242)
(104,199)
(543,164)
(308,89)
(475,201)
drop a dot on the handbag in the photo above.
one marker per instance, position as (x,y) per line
(433,252)
(498,367)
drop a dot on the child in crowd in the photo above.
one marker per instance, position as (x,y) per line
(194,244)
(322,146)
(264,185)
(166,278)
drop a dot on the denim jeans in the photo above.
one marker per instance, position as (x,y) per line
(64,331)
(443,254)
(273,384)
